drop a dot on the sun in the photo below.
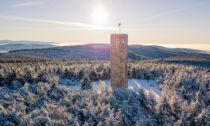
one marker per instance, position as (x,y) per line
(99,15)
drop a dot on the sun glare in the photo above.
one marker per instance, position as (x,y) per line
(100,15)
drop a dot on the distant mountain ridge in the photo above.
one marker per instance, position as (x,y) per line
(5,42)
(102,52)
(7,45)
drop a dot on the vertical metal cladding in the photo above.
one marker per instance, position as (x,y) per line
(119,60)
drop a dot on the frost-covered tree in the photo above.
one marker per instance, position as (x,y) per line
(164,114)
(86,83)
(93,76)
(30,94)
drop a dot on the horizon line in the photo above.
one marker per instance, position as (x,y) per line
(91,43)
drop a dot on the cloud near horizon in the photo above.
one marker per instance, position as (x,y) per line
(28,4)
(56,22)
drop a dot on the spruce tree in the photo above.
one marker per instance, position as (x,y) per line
(86,84)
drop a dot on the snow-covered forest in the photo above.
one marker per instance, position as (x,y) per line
(31,94)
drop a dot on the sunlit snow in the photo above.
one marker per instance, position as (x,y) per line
(133,84)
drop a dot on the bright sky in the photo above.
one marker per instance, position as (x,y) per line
(179,23)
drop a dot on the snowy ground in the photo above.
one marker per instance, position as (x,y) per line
(72,85)
(133,84)
(3,51)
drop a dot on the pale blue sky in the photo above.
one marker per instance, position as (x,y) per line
(177,22)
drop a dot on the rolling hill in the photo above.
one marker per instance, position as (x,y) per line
(102,52)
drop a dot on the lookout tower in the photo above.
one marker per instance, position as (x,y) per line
(119,60)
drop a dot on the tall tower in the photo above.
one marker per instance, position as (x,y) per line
(119,59)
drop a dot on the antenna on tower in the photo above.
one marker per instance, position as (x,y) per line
(119,25)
